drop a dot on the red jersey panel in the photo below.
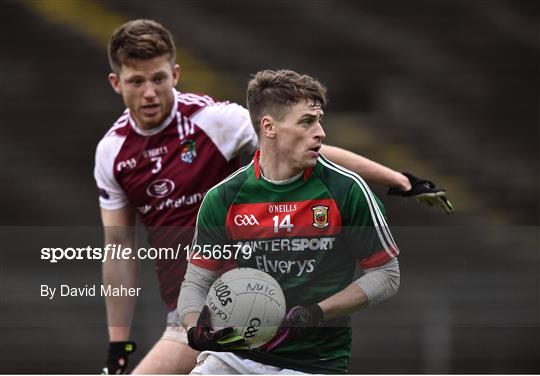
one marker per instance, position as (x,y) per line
(258,220)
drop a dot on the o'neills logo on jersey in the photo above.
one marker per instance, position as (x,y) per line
(281,208)
(320,216)
(126,165)
(245,220)
(160,188)
(188,152)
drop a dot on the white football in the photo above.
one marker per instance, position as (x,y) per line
(250,301)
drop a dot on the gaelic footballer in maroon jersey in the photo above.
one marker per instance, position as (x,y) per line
(165,172)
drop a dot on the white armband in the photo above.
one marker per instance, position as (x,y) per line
(381,282)
(197,283)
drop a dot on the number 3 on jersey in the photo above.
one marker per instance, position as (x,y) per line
(157,167)
(284,224)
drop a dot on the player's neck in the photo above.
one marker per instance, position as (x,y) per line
(276,167)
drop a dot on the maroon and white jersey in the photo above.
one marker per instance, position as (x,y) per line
(165,172)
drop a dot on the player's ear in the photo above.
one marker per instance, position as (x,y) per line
(114,80)
(175,73)
(268,126)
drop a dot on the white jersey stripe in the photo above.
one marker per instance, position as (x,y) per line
(189,98)
(368,190)
(212,101)
(188,102)
(179,120)
(380,216)
(376,215)
(118,124)
(386,228)
(205,99)
(185,123)
(122,119)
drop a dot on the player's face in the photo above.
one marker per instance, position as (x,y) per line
(300,134)
(146,87)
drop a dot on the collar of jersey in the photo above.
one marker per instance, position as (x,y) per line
(162,126)
(282,182)
(280,187)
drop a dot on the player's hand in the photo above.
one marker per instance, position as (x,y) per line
(117,358)
(303,317)
(424,191)
(295,321)
(204,337)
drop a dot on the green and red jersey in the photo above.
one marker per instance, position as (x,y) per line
(309,234)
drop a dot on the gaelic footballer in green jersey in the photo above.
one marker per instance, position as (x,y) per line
(310,236)
(307,222)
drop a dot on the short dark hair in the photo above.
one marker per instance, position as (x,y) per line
(140,40)
(273,92)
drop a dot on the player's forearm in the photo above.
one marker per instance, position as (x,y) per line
(347,301)
(190,320)
(373,287)
(369,170)
(117,273)
(197,282)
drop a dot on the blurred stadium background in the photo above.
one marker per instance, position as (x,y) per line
(447,89)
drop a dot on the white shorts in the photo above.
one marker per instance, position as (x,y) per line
(174,331)
(225,363)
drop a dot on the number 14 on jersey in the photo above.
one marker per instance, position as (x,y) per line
(284,224)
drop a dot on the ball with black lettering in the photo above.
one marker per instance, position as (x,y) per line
(249,300)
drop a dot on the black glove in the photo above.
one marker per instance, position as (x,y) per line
(297,318)
(424,191)
(117,358)
(302,317)
(203,337)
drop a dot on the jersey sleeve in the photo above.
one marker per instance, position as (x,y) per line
(210,233)
(369,236)
(111,195)
(229,126)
